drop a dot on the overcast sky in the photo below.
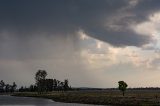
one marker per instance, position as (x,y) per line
(93,43)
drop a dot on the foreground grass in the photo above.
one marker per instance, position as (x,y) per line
(107,97)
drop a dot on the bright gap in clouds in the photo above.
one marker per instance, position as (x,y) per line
(110,64)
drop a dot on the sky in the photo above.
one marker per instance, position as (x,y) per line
(92,43)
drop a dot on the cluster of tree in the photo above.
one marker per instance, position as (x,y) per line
(7,87)
(44,85)
(31,88)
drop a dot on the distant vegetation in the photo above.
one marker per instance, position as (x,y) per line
(45,85)
(7,88)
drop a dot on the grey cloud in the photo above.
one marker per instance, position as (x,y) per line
(63,17)
(41,47)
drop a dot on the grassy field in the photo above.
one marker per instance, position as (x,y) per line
(102,97)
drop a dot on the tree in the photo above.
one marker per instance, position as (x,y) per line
(49,84)
(40,74)
(7,88)
(122,86)
(2,85)
(13,87)
(54,84)
(21,89)
(31,88)
(59,85)
(40,80)
(66,87)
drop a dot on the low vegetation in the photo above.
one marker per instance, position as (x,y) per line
(102,97)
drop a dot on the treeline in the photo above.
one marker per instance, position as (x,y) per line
(45,85)
(7,88)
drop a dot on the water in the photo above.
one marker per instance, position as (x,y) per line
(29,101)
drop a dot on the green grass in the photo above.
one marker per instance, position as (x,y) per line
(131,98)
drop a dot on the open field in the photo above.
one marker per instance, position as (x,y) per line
(102,97)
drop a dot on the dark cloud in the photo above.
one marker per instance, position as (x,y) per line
(61,17)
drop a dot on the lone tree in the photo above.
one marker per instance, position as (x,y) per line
(122,86)
(40,78)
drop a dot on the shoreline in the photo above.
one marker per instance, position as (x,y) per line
(53,99)
(96,98)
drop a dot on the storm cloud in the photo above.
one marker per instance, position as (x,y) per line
(105,20)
